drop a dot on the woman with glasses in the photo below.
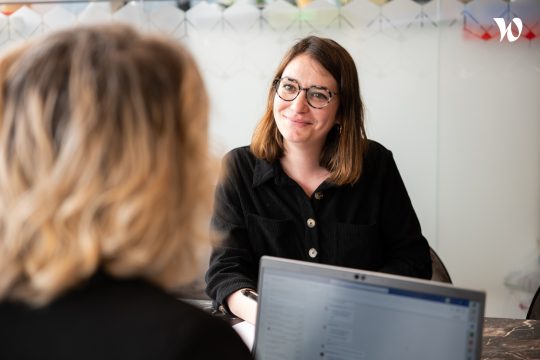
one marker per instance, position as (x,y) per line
(311,186)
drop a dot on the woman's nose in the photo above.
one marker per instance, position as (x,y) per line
(300,104)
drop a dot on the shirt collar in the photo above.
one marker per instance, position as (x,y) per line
(263,172)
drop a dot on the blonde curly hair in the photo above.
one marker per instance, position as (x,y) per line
(103,162)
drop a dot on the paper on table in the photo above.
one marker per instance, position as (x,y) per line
(246,332)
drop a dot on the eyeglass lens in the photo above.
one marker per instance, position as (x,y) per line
(288,90)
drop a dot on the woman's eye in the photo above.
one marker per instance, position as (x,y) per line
(289,87)
(319,95)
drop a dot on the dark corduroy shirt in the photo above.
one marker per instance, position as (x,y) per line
(259,210)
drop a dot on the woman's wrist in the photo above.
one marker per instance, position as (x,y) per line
(242,306)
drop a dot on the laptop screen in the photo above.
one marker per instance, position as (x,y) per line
(311,311)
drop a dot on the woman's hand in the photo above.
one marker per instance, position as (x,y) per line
(242,306)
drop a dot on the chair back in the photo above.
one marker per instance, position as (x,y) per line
(534,309)
(439,272)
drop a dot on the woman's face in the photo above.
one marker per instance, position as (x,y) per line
(299,123)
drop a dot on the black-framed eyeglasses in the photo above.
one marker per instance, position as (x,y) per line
(317,96)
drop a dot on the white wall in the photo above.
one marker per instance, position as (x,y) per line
(489,161)
(461,114)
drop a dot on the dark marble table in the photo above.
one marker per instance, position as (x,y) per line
(511,339)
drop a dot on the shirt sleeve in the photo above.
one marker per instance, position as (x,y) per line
(232,263)
(406,249)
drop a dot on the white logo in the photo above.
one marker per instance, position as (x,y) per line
(507,30)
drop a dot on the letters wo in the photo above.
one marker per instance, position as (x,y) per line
(507,30)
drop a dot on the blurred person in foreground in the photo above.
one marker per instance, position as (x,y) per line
(311,186)
(104,182)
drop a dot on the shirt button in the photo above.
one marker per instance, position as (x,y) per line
(318,195)
(312,253)
(311,223)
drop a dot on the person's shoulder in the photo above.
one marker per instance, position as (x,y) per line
(240,161)
(376,151)
(151,321)
(190,331)
(199,321)
(375,147)
(242,153)
(207,336)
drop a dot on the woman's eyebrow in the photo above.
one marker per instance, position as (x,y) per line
(289,78)
(315,86)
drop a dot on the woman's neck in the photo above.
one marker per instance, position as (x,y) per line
(303,166)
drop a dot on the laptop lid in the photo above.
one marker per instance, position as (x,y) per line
(313,311)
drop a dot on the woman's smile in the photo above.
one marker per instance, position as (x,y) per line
(298,121)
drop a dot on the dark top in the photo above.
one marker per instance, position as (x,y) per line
(370,225)
(115,319)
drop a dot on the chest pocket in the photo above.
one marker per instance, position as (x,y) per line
(358,246)
(273,237)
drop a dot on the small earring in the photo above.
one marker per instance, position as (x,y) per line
(339,128)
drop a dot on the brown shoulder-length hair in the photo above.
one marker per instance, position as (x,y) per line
(346,143)
(103,162)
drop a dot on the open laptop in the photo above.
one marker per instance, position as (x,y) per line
(312,311)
